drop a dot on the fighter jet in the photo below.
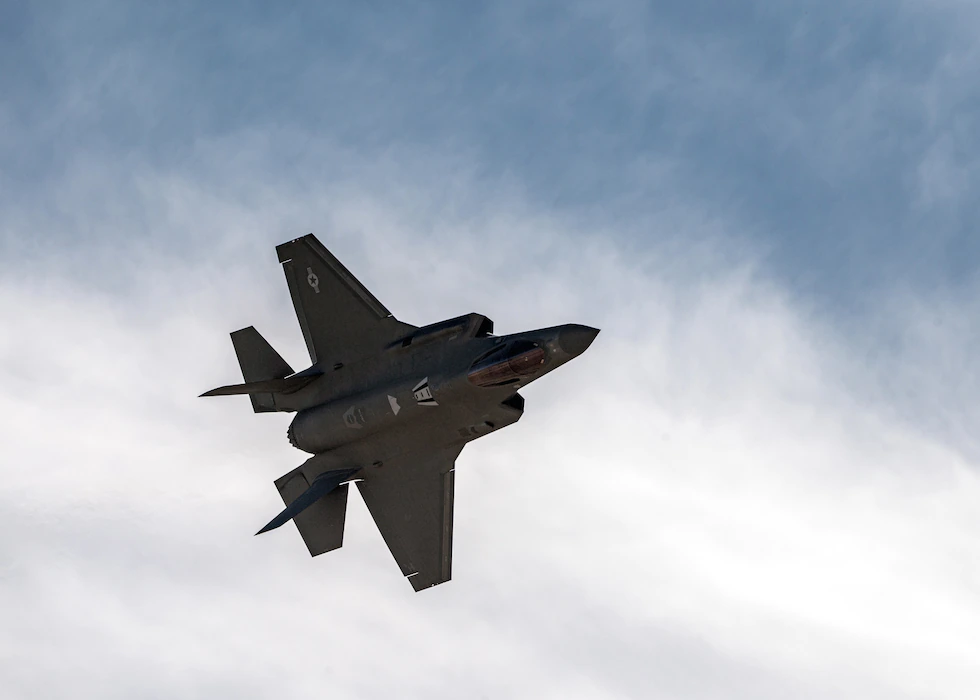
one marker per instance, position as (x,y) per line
(386,405)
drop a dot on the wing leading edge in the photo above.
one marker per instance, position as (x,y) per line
(341,320)
(411,501)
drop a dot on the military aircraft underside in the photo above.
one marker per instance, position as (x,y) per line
(386,405)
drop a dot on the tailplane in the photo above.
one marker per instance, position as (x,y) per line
(259,363)
(318,508)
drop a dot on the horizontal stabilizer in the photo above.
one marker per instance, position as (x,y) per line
(322,524)
(257,358)
(273,386)
(259,362)
(321,486)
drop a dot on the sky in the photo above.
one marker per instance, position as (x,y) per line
(761,481)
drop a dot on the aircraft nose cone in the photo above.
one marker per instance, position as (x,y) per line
(575,339)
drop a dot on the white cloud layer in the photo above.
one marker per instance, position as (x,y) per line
(728,495)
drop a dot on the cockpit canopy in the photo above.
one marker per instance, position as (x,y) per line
(508,364)
(468,326)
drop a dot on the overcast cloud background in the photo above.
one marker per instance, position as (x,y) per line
(760,482)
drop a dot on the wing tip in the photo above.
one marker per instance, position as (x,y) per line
(420,583)
(284,250)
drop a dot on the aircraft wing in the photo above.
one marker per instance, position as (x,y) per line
(411,501)
(341,320)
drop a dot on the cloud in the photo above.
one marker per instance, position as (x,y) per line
(838,138)
(720,497)
(759,482)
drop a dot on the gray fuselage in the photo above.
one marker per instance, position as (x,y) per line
(432,389)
